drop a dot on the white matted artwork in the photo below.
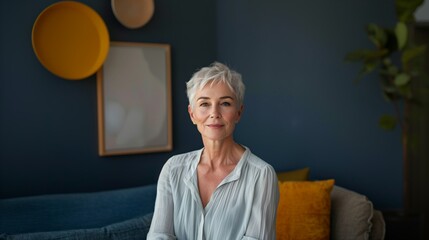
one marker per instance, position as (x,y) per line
(134,99)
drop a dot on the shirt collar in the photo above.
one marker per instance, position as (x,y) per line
(234,175)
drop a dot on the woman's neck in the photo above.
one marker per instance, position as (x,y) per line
(220,153)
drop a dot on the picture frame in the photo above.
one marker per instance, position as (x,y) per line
(134,99)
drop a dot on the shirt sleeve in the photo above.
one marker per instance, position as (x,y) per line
(162,226)
(262,222)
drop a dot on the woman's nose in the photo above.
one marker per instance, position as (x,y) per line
(215,112)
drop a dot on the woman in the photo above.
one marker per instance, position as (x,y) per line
(221,191)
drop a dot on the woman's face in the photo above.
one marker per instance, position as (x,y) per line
(215,111)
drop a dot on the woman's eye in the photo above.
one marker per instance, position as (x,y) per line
(204,104)
(226,104)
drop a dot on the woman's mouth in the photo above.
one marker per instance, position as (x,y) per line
(215,125)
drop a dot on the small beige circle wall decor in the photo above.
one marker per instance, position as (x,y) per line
(133,13)
(70,39)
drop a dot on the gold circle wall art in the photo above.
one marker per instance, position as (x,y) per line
(70,39)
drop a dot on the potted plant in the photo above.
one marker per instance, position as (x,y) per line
(398,60)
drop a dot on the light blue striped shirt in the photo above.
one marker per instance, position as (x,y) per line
(243,206)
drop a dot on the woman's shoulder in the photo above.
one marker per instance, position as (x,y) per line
(184,158)
(257,162)
(178,166)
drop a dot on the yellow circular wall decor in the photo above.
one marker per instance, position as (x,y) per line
(70,39)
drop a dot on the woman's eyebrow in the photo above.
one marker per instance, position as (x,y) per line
(224,97)
(202,98)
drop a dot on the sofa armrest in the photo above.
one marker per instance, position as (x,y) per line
(352,216)
(378,230)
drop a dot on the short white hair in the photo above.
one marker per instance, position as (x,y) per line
(213,74)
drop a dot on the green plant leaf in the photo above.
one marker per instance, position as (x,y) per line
(387,122)
(390,97)
(405,92)
(365,55)
(390,89)
(377,35)
(387,62)
(401,34)
(392,70)
(389,94)
(411,53)
(405,9)
(388,69)
(402,79)
(368,67)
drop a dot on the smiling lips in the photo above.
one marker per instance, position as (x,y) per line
(215,126)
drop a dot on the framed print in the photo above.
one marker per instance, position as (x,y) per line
(134,99)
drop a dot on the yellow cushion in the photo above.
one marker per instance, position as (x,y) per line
(304,210)
(295,175)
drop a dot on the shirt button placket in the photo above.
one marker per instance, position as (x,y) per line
(201,228)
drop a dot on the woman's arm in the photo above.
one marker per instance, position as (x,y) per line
(162,226)
(262,222)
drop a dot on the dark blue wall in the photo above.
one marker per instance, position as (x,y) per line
(48,125)
(302,107)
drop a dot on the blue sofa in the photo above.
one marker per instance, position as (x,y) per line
(116,214)
(126,215)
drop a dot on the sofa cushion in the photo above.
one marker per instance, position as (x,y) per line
(304,210)
(294,175)
(136,228)
(345,204)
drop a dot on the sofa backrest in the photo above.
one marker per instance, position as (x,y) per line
(74,211)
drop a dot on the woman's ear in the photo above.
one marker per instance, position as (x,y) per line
(191,114)
(239,113)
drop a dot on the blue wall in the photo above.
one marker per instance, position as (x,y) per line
(48,125)
(302,107)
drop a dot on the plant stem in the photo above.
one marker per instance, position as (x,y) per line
(406,157)
(398,115)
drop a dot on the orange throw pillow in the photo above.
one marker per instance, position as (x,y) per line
(294,175)
(304,210)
